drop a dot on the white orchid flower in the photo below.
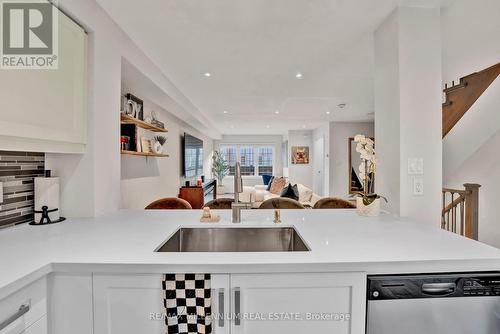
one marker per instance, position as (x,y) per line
(366,156)
(359,138)
(363,152)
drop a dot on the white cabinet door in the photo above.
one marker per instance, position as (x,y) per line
(131,304)
(221,304)
(70,315)
(45,110)
(298,303)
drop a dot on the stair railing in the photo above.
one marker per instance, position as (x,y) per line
(460,212)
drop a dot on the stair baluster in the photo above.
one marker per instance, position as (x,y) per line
(460,212)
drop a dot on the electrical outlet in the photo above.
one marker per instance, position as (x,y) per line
(418,186)
(416,166)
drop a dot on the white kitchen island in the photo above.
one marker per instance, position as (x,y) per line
(102,275)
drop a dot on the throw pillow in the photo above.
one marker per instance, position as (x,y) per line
(266,178)
(305,193)
(270,183)
(290,192)
(277,185)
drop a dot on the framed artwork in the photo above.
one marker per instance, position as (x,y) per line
(300,155)
(146,145)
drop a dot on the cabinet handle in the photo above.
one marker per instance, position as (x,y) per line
(23,309)
(237,307)
(221,308)
(438,288)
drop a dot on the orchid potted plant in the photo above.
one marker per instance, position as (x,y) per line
(368,202)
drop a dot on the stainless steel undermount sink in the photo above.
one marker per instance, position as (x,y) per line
(235,239)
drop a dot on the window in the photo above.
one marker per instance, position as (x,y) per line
(254,159)
(231,157)
(265,160)
(247,160)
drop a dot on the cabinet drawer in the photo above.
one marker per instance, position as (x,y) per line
(23,308)
(39,327)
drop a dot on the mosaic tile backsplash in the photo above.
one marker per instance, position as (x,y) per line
(17,171)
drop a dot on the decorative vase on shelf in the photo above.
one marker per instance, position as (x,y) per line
(371,210)
(157,147)
(158,144)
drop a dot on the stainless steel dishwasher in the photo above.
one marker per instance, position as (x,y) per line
(467,303)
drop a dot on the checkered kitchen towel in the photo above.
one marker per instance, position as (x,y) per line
(188,303)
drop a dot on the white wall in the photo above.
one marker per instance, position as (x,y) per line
(144,180)
(318,133)
(300,173)
(272,140)
(387,118)
(90,183)
(470,150)
(408,110)
(340,132)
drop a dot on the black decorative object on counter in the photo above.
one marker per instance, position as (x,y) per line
(45,220)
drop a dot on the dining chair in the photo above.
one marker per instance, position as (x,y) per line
(169,203)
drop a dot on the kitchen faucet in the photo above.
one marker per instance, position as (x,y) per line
(237,206)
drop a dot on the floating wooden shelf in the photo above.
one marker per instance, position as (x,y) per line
(144,154)
(125,119)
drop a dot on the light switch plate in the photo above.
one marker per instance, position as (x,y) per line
(1,192)
(418,186)
(415,166)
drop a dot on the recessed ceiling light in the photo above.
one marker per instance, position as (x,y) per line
(268,126)
(231,126)
(341,105)
(328,112)
(299,75)
(225,112)
(207,74)
(277,112)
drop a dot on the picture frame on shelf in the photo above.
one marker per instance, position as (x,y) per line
(146,146)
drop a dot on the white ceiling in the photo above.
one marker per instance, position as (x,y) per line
(254,48)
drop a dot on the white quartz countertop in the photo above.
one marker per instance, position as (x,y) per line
(340,240)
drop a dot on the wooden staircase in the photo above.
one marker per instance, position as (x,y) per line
(460,212)
(461,96)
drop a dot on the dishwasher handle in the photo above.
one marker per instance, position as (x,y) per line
(438,289)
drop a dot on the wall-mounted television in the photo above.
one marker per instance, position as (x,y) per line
(193,156)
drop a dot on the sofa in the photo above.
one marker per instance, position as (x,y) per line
(259,193)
